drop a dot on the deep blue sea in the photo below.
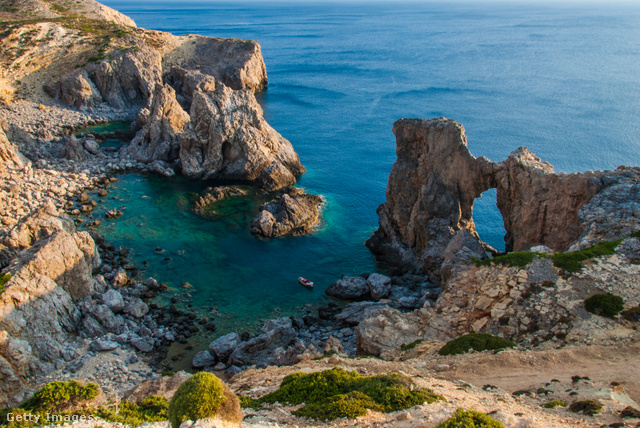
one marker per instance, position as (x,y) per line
(561,79)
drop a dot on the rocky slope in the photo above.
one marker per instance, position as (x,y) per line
(435,181)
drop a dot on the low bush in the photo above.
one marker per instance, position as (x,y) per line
(554,403)
(409,346)
(572,262)
(470,419)
(588,407)
(151,409)
(336,393)
(606,305)
(203,396)
(60,396)
(477,342)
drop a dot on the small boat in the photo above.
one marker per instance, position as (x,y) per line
(305,282)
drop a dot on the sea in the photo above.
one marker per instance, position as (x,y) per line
(562,79)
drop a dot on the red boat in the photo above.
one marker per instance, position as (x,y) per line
(305,282)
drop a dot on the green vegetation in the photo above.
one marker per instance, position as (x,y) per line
(516,259)
(168,373)
(588,407)
(554,403)
(409,346)
(606,305)
(60,396)
(477,342)
(470,419)
(337,393)
(249,402)
(202,396)
(151,409)
(351,405)
(3,280)
(572,262)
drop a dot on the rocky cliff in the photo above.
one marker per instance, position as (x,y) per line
(435,181)
(95,60)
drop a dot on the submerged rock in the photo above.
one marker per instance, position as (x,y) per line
(211,195)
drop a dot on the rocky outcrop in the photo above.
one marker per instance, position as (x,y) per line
(292,213)
(435,181)
(229,139)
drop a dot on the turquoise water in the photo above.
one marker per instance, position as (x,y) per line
(560,79)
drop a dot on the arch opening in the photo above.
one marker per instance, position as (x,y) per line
(488,220)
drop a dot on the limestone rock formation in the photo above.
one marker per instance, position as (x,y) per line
(292,213)
(228,138)
(164,121)
(435,181)
(387,329)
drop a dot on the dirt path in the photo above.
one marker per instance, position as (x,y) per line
(514,371)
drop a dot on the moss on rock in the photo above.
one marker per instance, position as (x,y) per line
(477,342)
(588,407)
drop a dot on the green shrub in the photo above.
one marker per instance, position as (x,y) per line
(477,342)
(606,305)
(630,412)
(59,396)
(554,403)
(588,407)
(572,262)
(515,259)
(203,396)
(151,409)
(351,405)
(409,346)
(168,373)
(470,419)
(339,393)
(3,280)
(249,402)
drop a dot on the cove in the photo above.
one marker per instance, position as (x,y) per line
(214,264)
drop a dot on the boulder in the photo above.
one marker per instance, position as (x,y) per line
(101,345)
(260,350)
(136,308)
(379,286)
(386,330)
(223,346)
(142,344)
(203,359)
(106,318)
(354,313)
(114,301)
(74,150)
(9,154)
(349,288)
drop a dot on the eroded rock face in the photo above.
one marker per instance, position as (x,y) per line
(211,195)
(229,139)
(435,181)
(293,213)
(164,121)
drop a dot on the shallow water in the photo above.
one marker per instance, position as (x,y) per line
(561,79)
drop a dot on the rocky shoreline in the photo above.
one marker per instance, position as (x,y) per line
(73,306)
